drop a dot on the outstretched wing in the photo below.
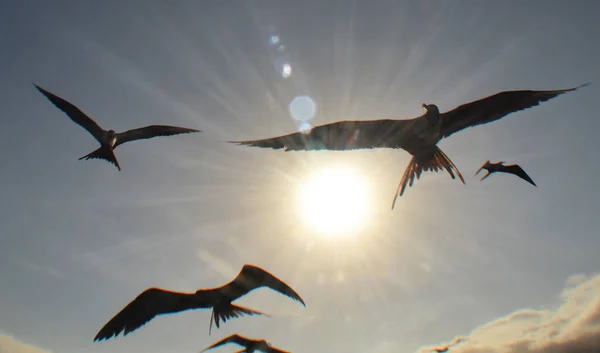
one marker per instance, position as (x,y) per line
(150,132)
(147,305)
(252,277)
(235,338)
(494,107)
(275,350)
(518,171)
(74,113)
(340,136)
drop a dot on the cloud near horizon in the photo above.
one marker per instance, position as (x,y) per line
(573,327)
(9,344)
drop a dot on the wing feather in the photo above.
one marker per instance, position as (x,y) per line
(495,107)
(518,171)
(235,338)
(150,132)
(78,116)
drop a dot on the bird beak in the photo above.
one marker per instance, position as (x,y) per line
(424,106)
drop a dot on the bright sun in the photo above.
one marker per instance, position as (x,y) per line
(334,201)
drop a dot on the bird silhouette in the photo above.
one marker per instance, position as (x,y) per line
(157,301)
(500,167)
(109,139)
(418,136)
(446,348)
(250,345)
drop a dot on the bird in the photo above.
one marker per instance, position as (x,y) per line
(500,167)
(250,345)
(157,301)
(109,139)
(445,348)
(418,136)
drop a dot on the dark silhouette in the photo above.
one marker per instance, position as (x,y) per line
(109,139)
(511,169)
(418,136)
(445,349)
(157,301)
(249,344)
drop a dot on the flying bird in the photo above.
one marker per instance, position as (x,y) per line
(250,345)
(500,167)
(156,301)
(446,348)
(109,139)
(418,136)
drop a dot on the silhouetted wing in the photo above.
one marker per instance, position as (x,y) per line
(252,277)
(74,113)
(150,132)
(235,338)
(147,305)
(518,171)
(275,350)
(494,107)
(341,135)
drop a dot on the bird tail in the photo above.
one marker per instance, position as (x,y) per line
(228,312)
(103,152)
(434,162)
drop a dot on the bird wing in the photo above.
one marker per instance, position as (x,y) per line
(494,107)
(272,349)
(150,132)
(74,113)
(341,135)
(518,171)
(147,305)
(252,277)
(235,338)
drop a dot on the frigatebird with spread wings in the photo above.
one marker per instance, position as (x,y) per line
(109,139)
(514,169)
(250,345)
(418,136)
(156,301)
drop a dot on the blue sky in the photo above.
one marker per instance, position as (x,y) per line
(80,239)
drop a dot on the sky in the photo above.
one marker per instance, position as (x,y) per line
(510,267)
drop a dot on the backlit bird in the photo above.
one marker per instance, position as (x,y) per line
(418,136)
(157,301)
(500,167)
(109,139)
(250,345)
(445,348)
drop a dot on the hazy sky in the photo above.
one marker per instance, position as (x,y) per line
(511,265)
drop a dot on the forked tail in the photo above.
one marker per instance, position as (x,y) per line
(103,152)
(230,311)
(436,162)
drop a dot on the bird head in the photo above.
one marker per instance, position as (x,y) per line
(431,108)
(111,137)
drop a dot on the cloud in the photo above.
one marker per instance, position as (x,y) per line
(9,344)
(573,327)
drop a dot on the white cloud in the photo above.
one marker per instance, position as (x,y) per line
(9,344)
(573,327)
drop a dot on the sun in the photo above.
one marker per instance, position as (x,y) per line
(334,201)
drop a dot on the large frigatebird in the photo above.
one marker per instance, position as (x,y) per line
(418,136)
(157,301)
(500,167)
(250,345)
(109,139)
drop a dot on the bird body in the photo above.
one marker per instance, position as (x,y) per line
(250,345)
(418,136)
(514,169)
(109,139)
(156,301)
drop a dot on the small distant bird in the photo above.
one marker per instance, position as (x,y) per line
(418,136)
(499,167)
(109,139)
(157,301)
(250,345)
(445,349)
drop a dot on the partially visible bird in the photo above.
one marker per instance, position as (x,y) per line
(157,301)
(250,345)
(109,139)
(418,136)
(500,167)
(445,348)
